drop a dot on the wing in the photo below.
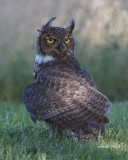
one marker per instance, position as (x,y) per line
(91,109)
(63,100)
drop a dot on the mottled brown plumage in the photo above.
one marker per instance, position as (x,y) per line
(63,94)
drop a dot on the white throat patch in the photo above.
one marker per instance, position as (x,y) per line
(43,59)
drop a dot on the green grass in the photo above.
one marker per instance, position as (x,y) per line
(20,139)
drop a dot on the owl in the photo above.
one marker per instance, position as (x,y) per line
(63,94)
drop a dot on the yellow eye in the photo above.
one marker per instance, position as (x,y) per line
(67,41)
(49,40)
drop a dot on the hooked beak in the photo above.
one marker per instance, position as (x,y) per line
(60,47)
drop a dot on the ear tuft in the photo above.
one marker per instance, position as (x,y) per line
(70,26)
(50,22)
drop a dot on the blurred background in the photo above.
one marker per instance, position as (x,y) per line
(101,35)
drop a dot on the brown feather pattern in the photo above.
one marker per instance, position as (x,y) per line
(65,96)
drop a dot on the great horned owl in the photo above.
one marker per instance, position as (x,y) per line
(63,94)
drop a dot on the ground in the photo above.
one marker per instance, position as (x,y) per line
(20,139)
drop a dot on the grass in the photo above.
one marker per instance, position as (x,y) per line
(20,139)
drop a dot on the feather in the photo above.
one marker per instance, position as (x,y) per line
(63,94)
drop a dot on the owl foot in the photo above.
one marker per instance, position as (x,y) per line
(87,133)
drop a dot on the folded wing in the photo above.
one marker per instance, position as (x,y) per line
(66,103)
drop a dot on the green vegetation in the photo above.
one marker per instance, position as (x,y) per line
(106,63)
(101,30)
(16,72)
(101,33)
(20,139)
(109,67)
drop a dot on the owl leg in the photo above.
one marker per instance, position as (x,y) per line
(91,131)
(88,132)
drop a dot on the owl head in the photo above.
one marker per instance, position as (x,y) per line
(55,42)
